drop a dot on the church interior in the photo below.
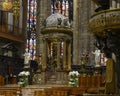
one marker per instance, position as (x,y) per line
(59,48)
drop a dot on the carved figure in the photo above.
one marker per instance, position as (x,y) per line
(97,56)
(26,57)
(65,22)
(110,77)
(44,22)
(84,59)
(59,21)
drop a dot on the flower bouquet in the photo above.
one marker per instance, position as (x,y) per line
(73,78)
(24,78)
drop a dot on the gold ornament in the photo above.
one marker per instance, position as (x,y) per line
(6,6)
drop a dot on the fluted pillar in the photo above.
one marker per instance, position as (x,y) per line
(69,56)
(118,3)
(58,55)
(64,55)
(44,55)
(110,4)
(43,11)
(113,4)
(76,32)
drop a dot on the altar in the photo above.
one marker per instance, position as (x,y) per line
(30,90)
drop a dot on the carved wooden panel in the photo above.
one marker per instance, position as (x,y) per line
(10,67)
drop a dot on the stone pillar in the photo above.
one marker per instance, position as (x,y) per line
(44,55)
(58,55)
(69,56)
(118,3)
(43,11)
(76,32)
(110,4)
(64,55)
(114,4)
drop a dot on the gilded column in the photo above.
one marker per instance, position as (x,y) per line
(64,55)
(69,56)
(58,55)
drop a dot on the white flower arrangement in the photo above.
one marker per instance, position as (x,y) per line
(74,73)
(23,78)
(24,73)
(73,78)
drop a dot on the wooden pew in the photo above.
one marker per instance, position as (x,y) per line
(83,81)
(2,93)
(87,84)
(60,91)
(10,91)
(102,85)
(91,84)
(40,93)
(7,92)
(51,92)
(2,79)
(95,84)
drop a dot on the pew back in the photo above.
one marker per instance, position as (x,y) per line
(10,91)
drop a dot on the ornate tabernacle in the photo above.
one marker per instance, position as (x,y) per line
(56,56)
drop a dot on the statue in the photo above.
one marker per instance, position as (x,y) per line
(97,57)
(44,22)
(84,59)
(110,77)
(26,57)
(59,21)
